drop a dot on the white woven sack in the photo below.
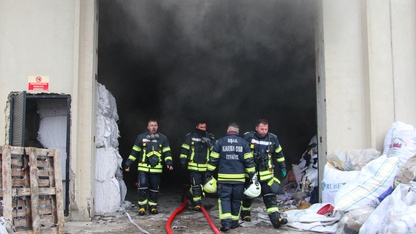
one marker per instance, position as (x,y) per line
(371,186)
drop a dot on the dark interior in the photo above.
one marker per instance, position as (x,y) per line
(221,61)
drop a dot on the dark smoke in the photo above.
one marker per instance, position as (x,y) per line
(221,61)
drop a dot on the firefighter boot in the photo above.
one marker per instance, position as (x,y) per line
(153,210)
(245,215)
(197,208)
(142,211)
(225,225)
(235,224)
(277,220)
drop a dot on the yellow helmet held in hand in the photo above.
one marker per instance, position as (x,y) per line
(211,186)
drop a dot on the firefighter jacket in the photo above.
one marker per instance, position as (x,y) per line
(195,150)
(151,151)
(232,156)
(265,150)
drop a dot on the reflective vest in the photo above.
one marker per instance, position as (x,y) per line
(151,150)
(195,150)
(265,150)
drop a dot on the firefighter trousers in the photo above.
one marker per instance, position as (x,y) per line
(230,197)
(269,199)
(197,179)
(148,187)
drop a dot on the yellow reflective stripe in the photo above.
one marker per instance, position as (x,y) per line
(185,146)
(191,158)
(146,168)
(183,156)
(252,146)
(166,149)
(230,176)
(155,170)
(248,155)
(211,168)
(225,216)
(250,170)
(196,199)
(152,203)
(269,162)
(235,217)
(264,173)
(245,208)
(132,158)
(142,202)
(281,159)
(215,154)
(154,153)
(136,148)
(196,169)
(168,158)
(231,180)
(273,180)
(272,210)
(198,165)
(278,149)
(208,154)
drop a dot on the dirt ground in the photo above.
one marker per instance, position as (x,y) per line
(187,221)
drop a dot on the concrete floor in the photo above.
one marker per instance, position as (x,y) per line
(187,221)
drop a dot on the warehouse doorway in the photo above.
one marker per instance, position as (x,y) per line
(218,61)
(43,121)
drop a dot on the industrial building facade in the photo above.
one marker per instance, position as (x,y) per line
(365,75)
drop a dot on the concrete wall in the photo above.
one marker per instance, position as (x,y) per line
(56,39)
(366,73)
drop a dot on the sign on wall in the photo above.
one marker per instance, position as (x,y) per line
(38,83)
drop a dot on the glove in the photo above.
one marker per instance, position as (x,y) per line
(283,171)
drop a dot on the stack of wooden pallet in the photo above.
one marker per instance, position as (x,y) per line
(31,195)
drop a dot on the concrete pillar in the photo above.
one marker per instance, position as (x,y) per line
(84,111)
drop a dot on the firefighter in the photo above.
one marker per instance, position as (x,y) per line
(194,156)
(266,150)
(232,156)
(152,150)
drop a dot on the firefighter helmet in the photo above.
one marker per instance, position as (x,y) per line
(253,190)
(211,185)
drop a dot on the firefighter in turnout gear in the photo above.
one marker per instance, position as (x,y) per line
(194,156)
(266,150)
(152,151)
(233,157)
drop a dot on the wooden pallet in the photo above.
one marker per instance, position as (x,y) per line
(31,194)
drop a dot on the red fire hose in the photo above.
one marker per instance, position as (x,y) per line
(180,209)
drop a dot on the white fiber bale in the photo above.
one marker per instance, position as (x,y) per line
(107,132)
(107,196)
(106,163)
(106,103)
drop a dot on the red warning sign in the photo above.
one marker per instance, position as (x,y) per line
(38,83)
